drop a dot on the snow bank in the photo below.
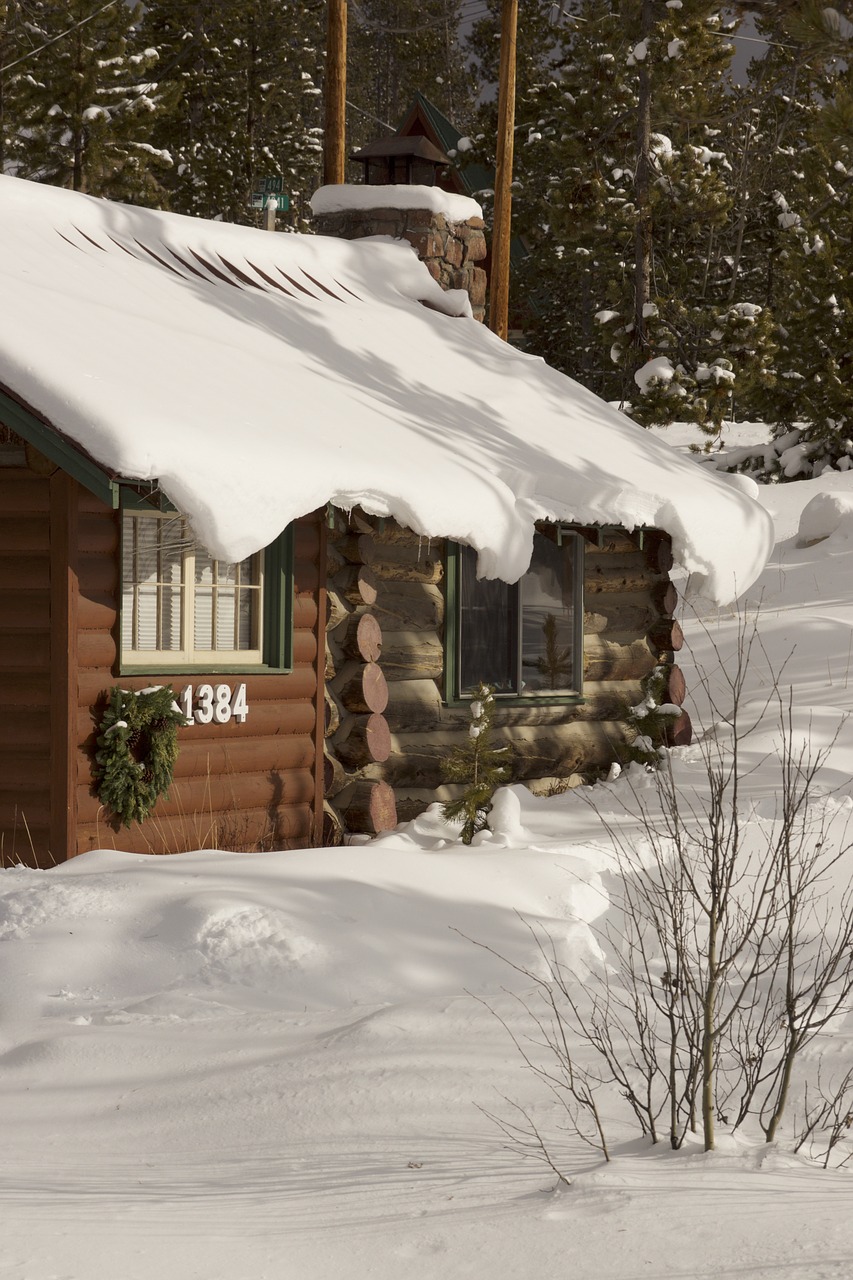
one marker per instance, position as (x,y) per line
(340,199)
(825,514)
(257,377)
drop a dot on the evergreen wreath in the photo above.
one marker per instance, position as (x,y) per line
(136,752)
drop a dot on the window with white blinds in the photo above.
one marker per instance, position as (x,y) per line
(179,603)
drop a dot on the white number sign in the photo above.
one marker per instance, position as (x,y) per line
(207,703)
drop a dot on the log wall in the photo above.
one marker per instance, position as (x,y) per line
(250,786)
(388,724)
(26,722)
(257,785)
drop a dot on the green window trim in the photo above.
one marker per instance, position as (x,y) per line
(452,635)
(277,616)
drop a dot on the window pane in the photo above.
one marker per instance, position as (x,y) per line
(158,555)
(203,624)
(488,629)
(547,626)
(170,618)
(146,618)
(204,565)
(172,539)
(128,579)
(147,547)
(226,606)
(250,571)
(248,603)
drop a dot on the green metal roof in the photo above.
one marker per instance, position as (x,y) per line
(475,176)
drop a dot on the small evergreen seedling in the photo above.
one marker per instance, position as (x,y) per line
(556,663)
(480,766)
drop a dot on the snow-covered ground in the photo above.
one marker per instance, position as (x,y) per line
(258,1067)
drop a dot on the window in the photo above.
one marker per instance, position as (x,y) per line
(525,639)
(181,607)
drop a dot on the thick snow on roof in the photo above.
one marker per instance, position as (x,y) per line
(340,199)
(259,376)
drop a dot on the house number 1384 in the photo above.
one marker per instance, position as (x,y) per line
(213,703)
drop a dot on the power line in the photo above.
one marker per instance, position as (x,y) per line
(774,44)
(32,52)
(375,119)
(369,24)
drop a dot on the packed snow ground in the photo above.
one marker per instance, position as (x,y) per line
(258,1067)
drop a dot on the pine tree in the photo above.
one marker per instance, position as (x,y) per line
(249,101)
(625,197)
(797,225)
(83,107)
(16,45)
(481,767)
(395,49)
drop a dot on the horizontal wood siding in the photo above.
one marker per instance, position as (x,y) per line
(25,684)
(237,786)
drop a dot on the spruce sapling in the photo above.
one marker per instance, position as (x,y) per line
(477,764)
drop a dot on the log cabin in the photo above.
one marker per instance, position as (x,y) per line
(295,479)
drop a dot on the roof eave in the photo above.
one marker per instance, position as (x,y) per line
(32,427)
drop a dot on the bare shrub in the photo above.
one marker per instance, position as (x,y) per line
(725,953)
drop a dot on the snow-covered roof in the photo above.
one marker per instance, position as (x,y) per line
(259,376)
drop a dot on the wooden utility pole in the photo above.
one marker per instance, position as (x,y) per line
(642,186)
(334,137)
(499,279)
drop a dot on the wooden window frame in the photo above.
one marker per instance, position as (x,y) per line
(275,653)
(453,696)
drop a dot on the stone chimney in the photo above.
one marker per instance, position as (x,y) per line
(449,246)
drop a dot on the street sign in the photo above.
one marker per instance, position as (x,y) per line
(261,198)
(270,185)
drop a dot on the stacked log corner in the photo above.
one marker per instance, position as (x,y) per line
(387,719)
(357,733)
(450,250)
(629,625)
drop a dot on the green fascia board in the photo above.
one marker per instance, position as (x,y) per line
(278,602)
(447,133)
(59,449)
(145,495)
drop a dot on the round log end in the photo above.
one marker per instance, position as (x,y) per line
(663,560)
(377,737)
(680,733)
(375,688)
(666,635)
(665,596)
(364,638)
(369,740)
(676,686)
(364,587)
(372,808)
